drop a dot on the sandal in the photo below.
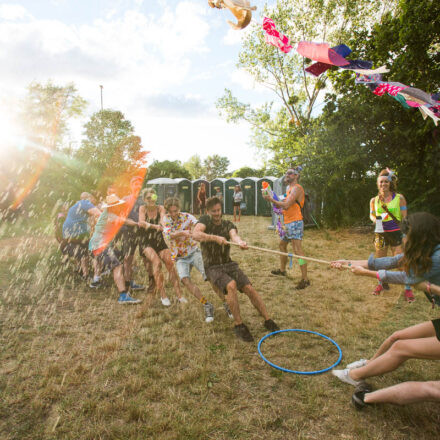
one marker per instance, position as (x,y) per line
(278,272)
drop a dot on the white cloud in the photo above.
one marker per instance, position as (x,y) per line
(13,12)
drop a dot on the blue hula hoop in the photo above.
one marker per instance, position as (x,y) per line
(294,371)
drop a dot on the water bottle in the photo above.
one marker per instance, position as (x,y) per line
(379,225)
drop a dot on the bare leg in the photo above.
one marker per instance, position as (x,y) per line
(283,258)
(235,213)
(220,294)
(400,351)
(239,213)
(256,300)
(297,250)
(423,330)
(232,300)
(157,270)
(128,267)
(84,262)
(165,256)
(118,276)
(406,392)
(192,288)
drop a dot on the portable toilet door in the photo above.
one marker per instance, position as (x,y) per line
(184,193)
(195,189)
(249,189)
(229,193)
(218,184)
(263,206)
(164,188)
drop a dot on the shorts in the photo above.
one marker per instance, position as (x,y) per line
(72,249)
(436,324)
(130,240)
(237,204)
(384,239)
(185,264)
(109,259)
(156,243)
(222,274)
(294,230)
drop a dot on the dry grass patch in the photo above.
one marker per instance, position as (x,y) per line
(76,365)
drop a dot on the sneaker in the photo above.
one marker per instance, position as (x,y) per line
(271,325)
(357,364)
(228,310)
(151,284)
(278,272)
(377,290)
(345,377)
(135,286)
(243,333)
(358,398)
(166,301)
(409,295)
(124,298)
(183,300)
(95,284)
(386,286)
(209,312)
(302,284)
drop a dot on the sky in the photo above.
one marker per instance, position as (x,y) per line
(163,63)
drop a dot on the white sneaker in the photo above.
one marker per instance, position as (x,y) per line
(183,300)
(357,364)
(166,301)
(209,312)
(345,377)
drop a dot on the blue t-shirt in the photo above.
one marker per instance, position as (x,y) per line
(76,224)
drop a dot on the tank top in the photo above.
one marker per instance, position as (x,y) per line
(389,225)
(153,234)
(293,213)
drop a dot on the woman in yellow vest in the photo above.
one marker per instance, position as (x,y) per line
(389,208)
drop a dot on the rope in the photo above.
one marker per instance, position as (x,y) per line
(289,255)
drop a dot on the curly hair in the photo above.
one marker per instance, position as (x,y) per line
(171,201)
(212,201)
(423,235)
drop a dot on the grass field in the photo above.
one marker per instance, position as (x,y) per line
(76,365)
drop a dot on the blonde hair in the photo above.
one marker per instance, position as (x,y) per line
(147,191)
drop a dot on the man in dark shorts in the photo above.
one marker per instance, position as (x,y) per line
(213,232)
(76,231)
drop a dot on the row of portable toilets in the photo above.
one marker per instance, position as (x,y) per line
(186,190)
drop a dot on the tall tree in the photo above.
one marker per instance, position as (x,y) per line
(215,166)
(110,149)
(195,167)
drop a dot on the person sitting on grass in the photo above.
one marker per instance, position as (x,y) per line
(76,231)
(421,341)
(101,245)
(420,260)
(213,232)
(177,230)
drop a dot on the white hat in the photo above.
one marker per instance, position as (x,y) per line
(111,201)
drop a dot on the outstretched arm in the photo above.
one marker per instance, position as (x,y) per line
(199,234)
(235,238)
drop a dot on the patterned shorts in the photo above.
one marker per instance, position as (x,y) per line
(294,230)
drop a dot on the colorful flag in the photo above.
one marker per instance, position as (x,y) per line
(274,38)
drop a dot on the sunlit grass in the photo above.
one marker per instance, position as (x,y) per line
(76,365)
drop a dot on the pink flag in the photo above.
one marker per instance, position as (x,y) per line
(274,38)
(392,88)
(321,52)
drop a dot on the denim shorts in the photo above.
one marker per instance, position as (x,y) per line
(185,264)
(294,230)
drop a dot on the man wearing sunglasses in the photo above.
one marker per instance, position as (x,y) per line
(293,222)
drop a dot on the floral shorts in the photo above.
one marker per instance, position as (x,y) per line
(294,230)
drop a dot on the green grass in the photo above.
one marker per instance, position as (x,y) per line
(76,365)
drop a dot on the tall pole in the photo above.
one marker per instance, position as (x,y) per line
(102,108)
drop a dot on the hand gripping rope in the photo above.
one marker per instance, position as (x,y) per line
(294,371)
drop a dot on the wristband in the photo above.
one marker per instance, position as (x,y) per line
(428,287)
(403,208)
(377,276)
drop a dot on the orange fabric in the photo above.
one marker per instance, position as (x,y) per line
(293,214)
